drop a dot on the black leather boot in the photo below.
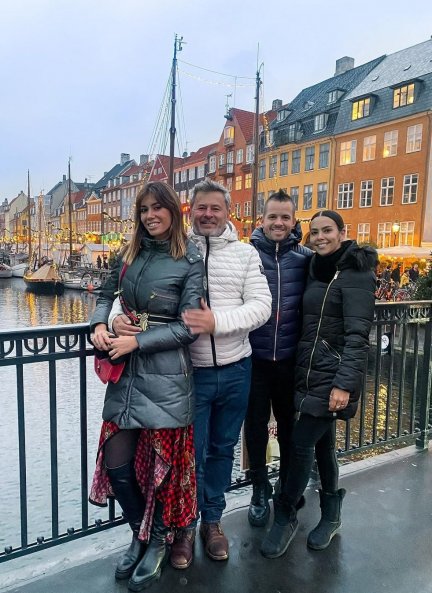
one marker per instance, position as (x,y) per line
(129,497)
(259,508)
(330,522)
(283,530)
(149,569)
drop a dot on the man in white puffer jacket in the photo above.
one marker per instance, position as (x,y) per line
(238,301)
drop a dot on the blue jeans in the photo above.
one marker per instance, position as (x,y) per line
(221,395)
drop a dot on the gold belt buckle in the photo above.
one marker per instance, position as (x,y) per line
(143,321)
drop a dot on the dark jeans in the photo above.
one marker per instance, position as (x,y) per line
(311,436)
(221,401)
(272,386)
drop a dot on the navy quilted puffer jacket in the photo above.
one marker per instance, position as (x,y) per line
(285,266)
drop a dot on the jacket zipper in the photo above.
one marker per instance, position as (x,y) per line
(212,341)
(317,335)
(332,351)
(183,362)
(278,301)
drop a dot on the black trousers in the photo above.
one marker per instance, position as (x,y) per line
(272,386)
(311,437)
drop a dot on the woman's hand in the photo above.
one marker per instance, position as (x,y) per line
(122,345)
(338,399)
(101,338)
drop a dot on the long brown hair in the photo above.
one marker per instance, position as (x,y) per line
(167,198)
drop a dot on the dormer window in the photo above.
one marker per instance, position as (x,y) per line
(361,108)
(291,132)
(334,96)
(403,95)
(228,135)
(320,122)
(282,114)
(307,105)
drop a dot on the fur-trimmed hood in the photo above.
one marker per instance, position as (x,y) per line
(360,258)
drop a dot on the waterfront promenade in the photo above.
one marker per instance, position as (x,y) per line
(385,545)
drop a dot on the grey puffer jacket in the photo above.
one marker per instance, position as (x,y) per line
(156,387)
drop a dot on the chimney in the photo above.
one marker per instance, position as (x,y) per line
(343,65)
(276,104)
(124,158)
(144,158)
(64,178)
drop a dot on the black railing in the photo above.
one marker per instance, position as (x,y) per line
(394,410)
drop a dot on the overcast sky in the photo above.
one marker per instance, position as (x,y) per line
(86,78)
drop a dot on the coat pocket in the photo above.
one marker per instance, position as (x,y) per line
(332,351)
(163,302)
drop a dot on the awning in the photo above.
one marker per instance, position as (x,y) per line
(405,251)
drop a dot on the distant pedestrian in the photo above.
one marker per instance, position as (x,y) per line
(386,275)
(396,275)
(414,273)
(105,262)
(99,262)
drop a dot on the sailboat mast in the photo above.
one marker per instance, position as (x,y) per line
(40,206)
(70,216)
(29,241)
(177,47)
(256,148)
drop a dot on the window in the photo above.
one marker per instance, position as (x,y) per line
(229,135)
(221,160)
(229,184)
(248,180)
(410,185)
(307,197)
(390,143)
(291,132)
(333,96)
(201,172)
(295,161)
(250,153)
(192,174)
(176,177)
(324,155)
(239,156)
(384,234)
(284,163)
(366,189)
(247,208)
(212,164)
(184,175)
(262,169)
(230,157)
(260,204)
(348,152)
(345,195)
(322,195)
(369,147)
(273,166)
(363,232)
(294,193)
(387,191)
(414,138)
(347,231)
(237,211)
(406,233)
(320,122)
(309,158)
(360,108)
(238,182)
(403,95)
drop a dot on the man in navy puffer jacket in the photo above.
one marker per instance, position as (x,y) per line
(274,345)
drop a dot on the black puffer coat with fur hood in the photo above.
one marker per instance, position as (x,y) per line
(337,318)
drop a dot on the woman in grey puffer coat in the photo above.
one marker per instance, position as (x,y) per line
(146,455)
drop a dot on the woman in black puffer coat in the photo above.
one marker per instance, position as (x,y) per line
(338,309)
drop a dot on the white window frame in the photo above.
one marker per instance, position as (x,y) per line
(212,163)
(390,143)
(250,151)
(238,182)
(308,195)
(348,152)
(387,191)
(363,232)
(369,148)
(406,233)
(247,208)
(322,190)
(345,198)
(239,156)
(414,138)
(248,181)
(366,193)
(384,234)
(410,188)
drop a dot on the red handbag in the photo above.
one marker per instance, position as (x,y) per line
(105,369)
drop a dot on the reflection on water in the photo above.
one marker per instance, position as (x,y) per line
(20,308)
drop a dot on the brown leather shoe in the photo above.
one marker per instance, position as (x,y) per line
(182,548)
(216,544)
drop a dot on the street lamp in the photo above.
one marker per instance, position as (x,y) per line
(395,229)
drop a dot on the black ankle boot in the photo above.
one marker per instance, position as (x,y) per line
(282,532)
(150,567)
(259,508)
(330,522)
(128,494)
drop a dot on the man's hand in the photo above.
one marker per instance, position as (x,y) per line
(199,321)
(122,345)
(123,326)
(338,399)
